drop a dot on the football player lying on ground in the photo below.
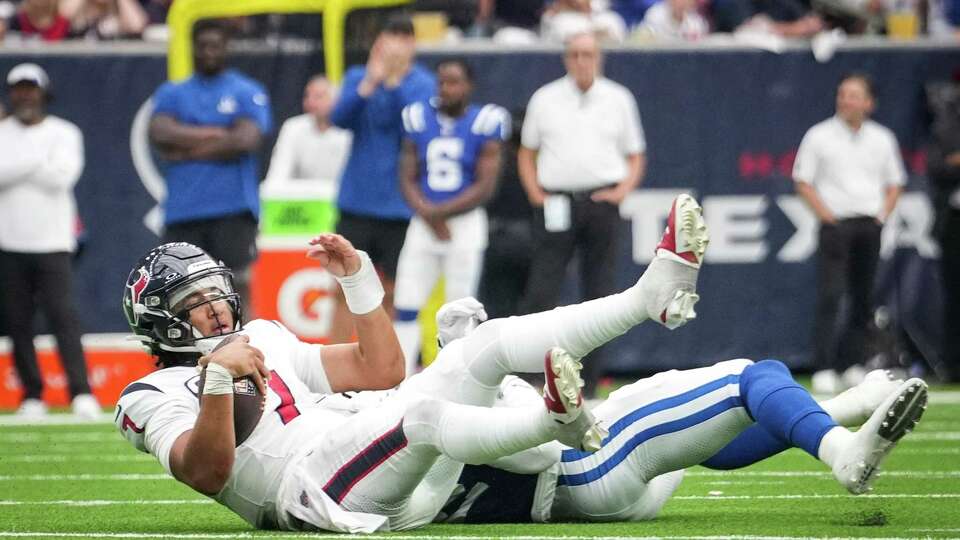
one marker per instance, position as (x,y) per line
(725,416)
(306,465)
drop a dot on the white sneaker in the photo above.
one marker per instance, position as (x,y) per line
(86,406)
(858,464)
(827,381)
(564,400)
(853,375)
(670,282)
(853,406)
(32,409)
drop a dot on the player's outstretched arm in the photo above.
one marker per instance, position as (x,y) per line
(375,362)
(203,457)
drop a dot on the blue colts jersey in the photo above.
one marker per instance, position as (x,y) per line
(448,148)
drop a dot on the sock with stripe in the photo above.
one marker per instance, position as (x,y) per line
(782,407)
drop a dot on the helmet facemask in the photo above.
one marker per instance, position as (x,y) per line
(204,307)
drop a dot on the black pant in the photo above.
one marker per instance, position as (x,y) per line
(44,278)
(231,239)
(506,264)
(849,252)
(593,234)
(950,264)
(381,238)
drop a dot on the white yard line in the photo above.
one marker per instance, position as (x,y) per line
(819,474)
(188,536)
(816,496)
(65,437)
(67,458)
(80,477)
(105,502)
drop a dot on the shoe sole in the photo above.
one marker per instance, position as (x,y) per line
(568,383)
(905,412)
(900,418)
(690,229)
(566,379)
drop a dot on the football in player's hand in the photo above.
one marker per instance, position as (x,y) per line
(248,404)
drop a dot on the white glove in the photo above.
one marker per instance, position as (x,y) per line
(458,318)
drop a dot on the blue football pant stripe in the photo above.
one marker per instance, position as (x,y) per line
(652,408)
(646,435)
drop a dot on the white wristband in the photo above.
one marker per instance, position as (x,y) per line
(362,289)
(218,381)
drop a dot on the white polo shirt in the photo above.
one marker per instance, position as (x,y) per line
(582,138)
(850,169)
(303,153)
(39,165)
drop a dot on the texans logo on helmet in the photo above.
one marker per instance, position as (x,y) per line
(136,289)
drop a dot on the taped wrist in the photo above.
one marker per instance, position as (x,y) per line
(218,381)
(362,289)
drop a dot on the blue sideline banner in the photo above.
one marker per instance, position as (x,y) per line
(723,124)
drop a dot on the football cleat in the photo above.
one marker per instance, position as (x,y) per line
(897,415)
(670,282)
(563,397)
(685,238)
(854,406)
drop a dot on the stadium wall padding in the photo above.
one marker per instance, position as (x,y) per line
(723,123)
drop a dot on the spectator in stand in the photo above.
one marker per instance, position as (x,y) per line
(104,19)
(38,19)
(785,18)
(208,129)
(566,18)
(849,171)
(310,148)
(156,10)
(373,214)
(943,19)
(582,152)
(674,20)
(944,171)
(496,15)
(41,158)
(632,11)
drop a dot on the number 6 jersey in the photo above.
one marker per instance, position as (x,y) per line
(448,148)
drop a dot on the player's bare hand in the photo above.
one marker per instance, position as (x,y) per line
(335,253)
(537,197)
(240,359)
(439,228)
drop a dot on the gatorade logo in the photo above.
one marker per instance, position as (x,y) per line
(306,302)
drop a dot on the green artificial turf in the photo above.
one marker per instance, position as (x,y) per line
(788,496)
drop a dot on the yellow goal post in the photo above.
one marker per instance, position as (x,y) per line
(184,13)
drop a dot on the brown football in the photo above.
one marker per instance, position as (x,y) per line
(247,405)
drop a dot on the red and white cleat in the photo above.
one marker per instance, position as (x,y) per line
(669,285)
(685,238)
(577,426)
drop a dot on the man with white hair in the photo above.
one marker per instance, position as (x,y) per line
(582,152)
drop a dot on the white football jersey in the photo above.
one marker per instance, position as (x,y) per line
(154,410)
